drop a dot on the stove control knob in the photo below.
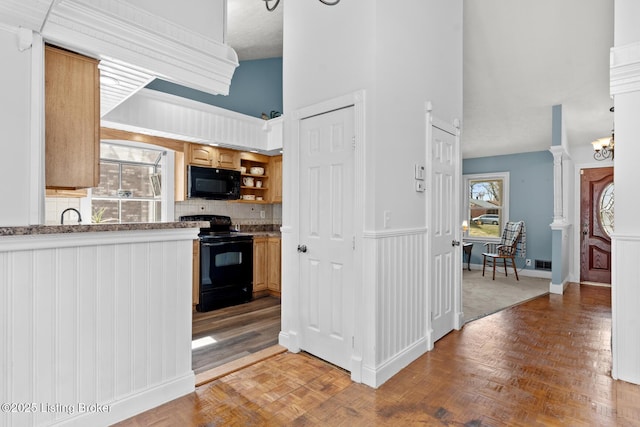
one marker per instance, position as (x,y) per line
(302,249)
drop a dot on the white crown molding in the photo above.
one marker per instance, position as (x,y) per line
(29,14)
(625,68)
(116,30)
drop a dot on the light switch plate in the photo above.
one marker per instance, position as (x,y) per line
(419,172)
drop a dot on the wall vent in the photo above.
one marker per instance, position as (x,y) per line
(543,265)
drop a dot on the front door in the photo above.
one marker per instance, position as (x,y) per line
(444,262)
(596,220)
(327,235)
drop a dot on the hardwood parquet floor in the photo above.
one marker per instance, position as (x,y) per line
(546,362)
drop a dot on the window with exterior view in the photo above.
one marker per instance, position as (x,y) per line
(129,185)
(487,203)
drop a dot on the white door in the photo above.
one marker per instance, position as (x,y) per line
(443,208)
(327,235)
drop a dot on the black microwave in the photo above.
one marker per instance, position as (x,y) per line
(213,183)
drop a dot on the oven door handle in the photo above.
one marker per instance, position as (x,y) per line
(214,244)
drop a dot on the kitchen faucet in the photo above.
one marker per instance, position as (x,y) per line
(70,209)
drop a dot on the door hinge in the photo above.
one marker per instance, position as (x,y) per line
(353,342)
(353,242)
(353,142)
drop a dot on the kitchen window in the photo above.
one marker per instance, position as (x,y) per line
(486,205)
(130,189)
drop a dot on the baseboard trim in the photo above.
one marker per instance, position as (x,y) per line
(527,272)
(375,377)
(557,288)
(235,365)
(134,404)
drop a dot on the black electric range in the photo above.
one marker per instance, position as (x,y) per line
(226,263)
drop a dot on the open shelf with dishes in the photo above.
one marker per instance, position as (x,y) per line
(255,178)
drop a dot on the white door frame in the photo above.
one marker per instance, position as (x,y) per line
(453,129)
(291,314)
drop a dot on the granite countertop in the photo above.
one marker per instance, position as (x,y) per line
(268,230)
(264,233)
(85,228)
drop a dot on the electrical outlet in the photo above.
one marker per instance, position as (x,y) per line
(262,214)
(528,262)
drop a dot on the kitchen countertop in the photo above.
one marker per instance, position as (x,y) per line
(86,228)
(263,233)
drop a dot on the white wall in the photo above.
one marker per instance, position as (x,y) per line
(15,136)
(418,58)
(399,57)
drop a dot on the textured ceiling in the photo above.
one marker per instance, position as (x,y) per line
(252,31)
(521,57)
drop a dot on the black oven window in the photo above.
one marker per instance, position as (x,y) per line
(228,258)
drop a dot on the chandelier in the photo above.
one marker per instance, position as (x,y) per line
(603,147)
(277,2)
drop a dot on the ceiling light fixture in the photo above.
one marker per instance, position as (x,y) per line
(277,2)
(603,147)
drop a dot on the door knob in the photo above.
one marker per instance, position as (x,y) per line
(455,243)
(302,249)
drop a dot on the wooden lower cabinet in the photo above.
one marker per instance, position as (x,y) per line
(259,264)
(195,297)
(273,268)
(266,266)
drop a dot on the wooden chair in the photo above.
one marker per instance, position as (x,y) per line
(504,250)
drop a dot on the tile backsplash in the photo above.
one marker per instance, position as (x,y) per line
(54,206)
(240,213)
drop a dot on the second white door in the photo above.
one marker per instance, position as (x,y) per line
(444,262)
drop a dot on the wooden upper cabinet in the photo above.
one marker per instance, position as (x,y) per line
(202,155)
(228,159)
(213,157)
(72,120)
(276,179)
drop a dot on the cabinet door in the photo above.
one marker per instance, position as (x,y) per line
(72,120)
(195,296)
(259,264)
(228,159)
(275,171)
(201,155)
(273,283)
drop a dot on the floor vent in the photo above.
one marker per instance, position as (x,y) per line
(543,265)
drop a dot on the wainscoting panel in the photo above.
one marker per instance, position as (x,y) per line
(400,298)
(94,324)
(625,298)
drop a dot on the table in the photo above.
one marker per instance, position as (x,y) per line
(466,247)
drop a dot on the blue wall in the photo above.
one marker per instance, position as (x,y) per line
(530,197)
(256,88)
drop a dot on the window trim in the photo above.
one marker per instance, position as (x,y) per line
(466,213)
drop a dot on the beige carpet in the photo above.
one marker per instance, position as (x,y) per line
(482,296)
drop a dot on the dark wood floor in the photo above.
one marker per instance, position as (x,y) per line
(238,331)
(546,362)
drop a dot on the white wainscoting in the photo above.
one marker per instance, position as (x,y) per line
(94,319)
(625,298)
(396,281)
